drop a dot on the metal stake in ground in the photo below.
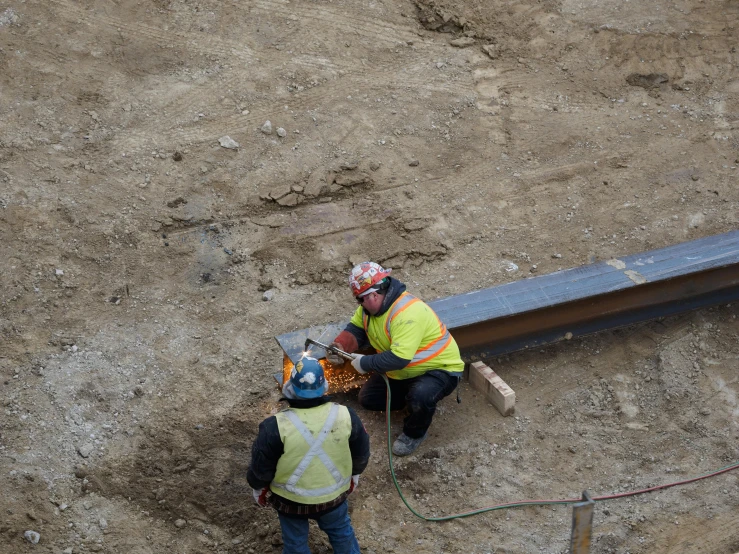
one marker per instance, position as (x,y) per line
(582,525)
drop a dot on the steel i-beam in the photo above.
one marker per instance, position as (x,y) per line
(569,303)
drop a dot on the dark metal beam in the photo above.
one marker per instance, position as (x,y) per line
(579,301)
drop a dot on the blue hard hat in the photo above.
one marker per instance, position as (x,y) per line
(307,379)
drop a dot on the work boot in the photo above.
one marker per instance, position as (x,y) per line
(405,445)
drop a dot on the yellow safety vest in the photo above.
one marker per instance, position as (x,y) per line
(412,331)
(316,464)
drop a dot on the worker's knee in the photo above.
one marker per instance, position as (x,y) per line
(421,403)
(370,400)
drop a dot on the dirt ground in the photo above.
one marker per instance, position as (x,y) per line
(157,236)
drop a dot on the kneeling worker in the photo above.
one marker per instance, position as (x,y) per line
(415,351)
(309,457)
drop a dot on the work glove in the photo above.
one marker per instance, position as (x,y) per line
(357,363)
(332,357)
(260,496)
(354,484)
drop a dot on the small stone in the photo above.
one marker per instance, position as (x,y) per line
(292,199)
(374,166)
(462,42)
(85,450)
(228,142)
(694,177)
(103,523)
(556,256)
(177,156)
(568,335)
(80,472)
(414,163)
(281,132)
(32,536)
(267,127)
(180,523)
(68,550)
(491,50)
(138,390)
(59,272)
(268,295)
(74,348)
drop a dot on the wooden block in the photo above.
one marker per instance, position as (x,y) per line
(493,387)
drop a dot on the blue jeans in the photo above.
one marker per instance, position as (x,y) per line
(336,524)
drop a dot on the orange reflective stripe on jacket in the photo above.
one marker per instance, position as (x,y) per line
(425,352)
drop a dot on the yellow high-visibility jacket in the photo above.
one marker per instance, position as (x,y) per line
(412,331)
(316,464)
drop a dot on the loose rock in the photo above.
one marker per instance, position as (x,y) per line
(85,450)
(267,127)
(491,50)
(462,42)
(228,142)
(32,536)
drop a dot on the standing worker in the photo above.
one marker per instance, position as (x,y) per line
(415,351)
(309,457)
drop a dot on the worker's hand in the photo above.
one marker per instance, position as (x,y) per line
(332,357)
(354,484)
(357,363)
(260,496)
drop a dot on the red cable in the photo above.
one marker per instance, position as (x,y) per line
(600,498)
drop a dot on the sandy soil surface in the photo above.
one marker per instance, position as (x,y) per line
(147,212)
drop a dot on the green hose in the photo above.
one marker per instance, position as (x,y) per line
(724,469)
(455,516)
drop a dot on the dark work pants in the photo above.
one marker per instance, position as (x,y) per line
(420,394)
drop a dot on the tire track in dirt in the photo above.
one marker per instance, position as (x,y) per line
(315,98)
(185,106)
(205,44)
(449,182)
(367,27)
(181,110)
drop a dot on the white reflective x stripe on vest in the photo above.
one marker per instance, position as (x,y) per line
(315,449)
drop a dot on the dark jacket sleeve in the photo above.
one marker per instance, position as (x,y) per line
(383,362)
(359,444)
(265,453)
